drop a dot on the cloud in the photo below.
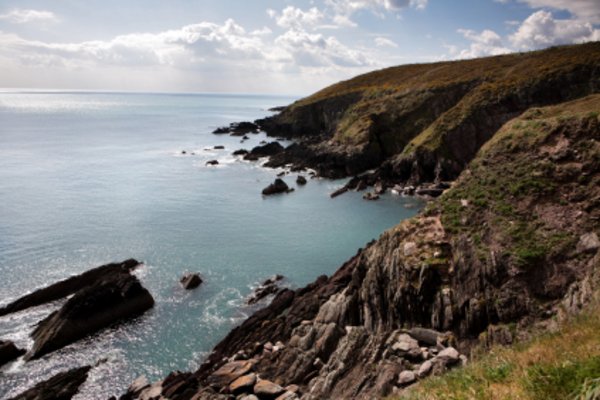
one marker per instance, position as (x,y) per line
(21,16)
(484,43)
(587,10)
(541,30)
(292,17)
(384,42)
(344,9)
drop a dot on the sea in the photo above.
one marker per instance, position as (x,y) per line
(92,178)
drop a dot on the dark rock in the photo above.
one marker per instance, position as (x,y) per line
(426,336)
(268,287)
(245,137)
(433,192)
(338,192)
(370,196)
(279,186)
(9,352)
(191,281)
(109,300)
(219,147)
(222,130)
(68,286)
(183,152)
(266,150)
(282,173)
(300,180)
(62,386)
(238,129)
(240,152)
(212,162)
(277,109)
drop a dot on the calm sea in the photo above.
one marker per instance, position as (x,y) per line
(90,178)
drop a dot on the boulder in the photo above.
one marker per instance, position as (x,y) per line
(229,372)
(68,286)
(279,186)
(406,346)
(406,378)
(588,243)
(9,352)
(191,281)
(424,335)
(62,386)
(265,389)
(425,369)
(242,384)
(287,396)
(300,180)
(212,162)
(109,300)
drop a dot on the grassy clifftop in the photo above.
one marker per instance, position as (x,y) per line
(425,122)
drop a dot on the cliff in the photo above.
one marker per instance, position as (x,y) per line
(425,122)
(511,246)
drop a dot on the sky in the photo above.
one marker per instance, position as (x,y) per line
(291,47)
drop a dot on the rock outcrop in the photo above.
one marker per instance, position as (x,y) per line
(238,128)
(62,386)
(265,150)
(425,122)
(108,300)
(9,352)
(279,186)
(68,286)
(510,245)
(190,281)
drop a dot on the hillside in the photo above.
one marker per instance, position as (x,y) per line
(424,122)
(510,249)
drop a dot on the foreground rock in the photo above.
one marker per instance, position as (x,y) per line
(279,186)
(190,281)
(9,352)
(68,286)
(109,300)
(267,288)
(62,386)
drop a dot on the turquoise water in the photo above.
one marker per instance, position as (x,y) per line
(90,178)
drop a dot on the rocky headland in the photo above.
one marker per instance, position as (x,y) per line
(510,246)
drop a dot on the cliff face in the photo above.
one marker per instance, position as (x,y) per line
(514,243)
(422,123)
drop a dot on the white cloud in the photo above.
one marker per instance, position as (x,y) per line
(587,10)
(384,42)
(541,30)
(292,17)
(344,9)
(21,16)
(484,43)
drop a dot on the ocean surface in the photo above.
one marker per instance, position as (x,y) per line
(91,178)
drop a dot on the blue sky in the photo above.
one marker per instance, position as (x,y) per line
(264,46)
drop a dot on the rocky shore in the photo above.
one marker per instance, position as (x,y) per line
(512,245)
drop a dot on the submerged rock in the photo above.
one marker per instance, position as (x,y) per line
(212,162)
(68,286)
(279,186)
(9,352)
(191,281)
(109,300)
(62,386)
(300,180)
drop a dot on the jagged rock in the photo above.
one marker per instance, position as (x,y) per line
(229,372)
(406,378)
(425,369)
(68,286)
(588,242)
(238,129)
(300,180)
(268,287)
(370,196)
(279,186)
(242,384)
(109,300)
(62,386)
(9,352)
(212,162)
(265,389)
(191,281)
